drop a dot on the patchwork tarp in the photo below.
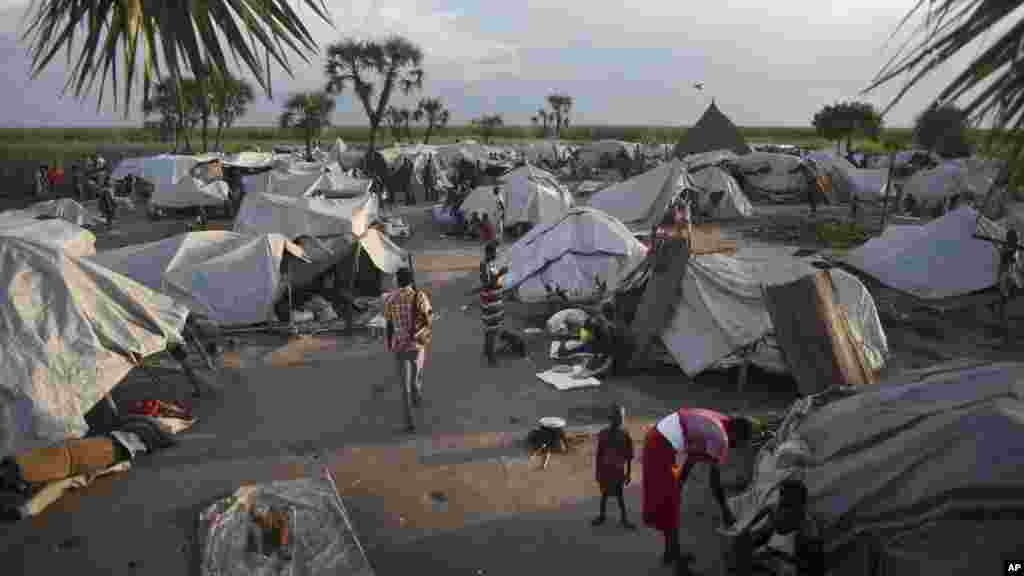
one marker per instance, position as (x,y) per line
(723,309)
(569,253)
(719,194)
(533,196)
(934,261)
(231,278)
(641,201)
(70,328)
(774,173)
(173,184)
(61,234)
(926,454)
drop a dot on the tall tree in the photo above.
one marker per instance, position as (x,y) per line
(175,102)
(561,105)
(309,112)
(991,81)
(231,99)
(433,111)
(394,119)
(542,118)
(394,64)
(406,116)
(844,120)
(943,130)
(171,37)
(487,126)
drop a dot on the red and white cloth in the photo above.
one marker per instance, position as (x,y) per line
(700,436)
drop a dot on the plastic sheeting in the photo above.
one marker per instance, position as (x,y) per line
(298,216)
(720,195)
(304,179)
(73,240)
(322,538)
(69,326)
(778,173)
(934,261)
(640,201)
(173,184)
(62,208)
(569,254)
(723,309)
(533,196)
(592,154)
(231,278)
(921,451)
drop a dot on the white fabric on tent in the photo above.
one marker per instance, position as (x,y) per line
(69,326)
(483,201)
(926,449)
(720,195)
(867,184)
(934,261)
(569,253)
(127,167)
(63,208)
(722,307)
(937,184)
(253,160)
(173,184)
(299,216)
(231,278)
(636,201)
(385,254)
(592,154)
(778,173)
(72,239)
(533,196)
(705,158)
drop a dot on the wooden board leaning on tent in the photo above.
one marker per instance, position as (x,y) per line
(820,348)
(703,239)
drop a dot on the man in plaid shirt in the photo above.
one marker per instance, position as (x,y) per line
(400,311)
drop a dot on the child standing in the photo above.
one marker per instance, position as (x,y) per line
(614,464)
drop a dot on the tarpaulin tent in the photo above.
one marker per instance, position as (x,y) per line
(228,277)
(569,253)
(722,308)
(710,158)
(592,155)
(546,151)
(969,177)
(719,194)
(641,201)
(482,200)
(72,330)
(938,260)
(173,184)
(295,216)
(713,131)
(62,208)
(73,240)
(774,173)
(251,160)
(533,196)
(921,474)
(299,179)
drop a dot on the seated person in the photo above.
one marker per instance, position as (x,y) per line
(598,336)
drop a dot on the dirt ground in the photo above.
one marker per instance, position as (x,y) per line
(459,497)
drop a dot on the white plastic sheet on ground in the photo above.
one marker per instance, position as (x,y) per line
(231,278)
(638,202)
(934,261)
(324,540)
(923,450)
(73,240)
(722,306)
(69,326)
(569,254)
(533,196)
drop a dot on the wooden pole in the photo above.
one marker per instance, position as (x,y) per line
(888,187)
(350,305)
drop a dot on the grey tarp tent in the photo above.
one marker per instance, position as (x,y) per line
(714,131)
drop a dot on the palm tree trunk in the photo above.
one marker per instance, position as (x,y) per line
(373,134)
(426,136)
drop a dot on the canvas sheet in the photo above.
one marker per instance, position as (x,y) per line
(533,196)
(298,216)
(69,327)
(173,184)
(898,459)
(62,208)
(251,160)
(720,195)
(231,278)
(61,234)
(569,253)
(934,261)
(639,201)
(722,307)
(778,173)
(592,154)
(563,381)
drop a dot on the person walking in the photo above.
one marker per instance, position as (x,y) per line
(700,436)
(429,180)
(500,224)
(408,314)
(41,184)
(492,307)
(614,464)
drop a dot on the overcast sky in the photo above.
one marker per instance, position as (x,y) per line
(765,63)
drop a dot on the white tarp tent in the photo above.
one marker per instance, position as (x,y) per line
(723,308)
(938,260)
(72,239)
(173,184)
(72,330)
(251,160)
(774,173)
(533,196)
(482,201)
(714,157)
(298,179)
(972,177)
(719,194)
(303,216)
(569,253)
(593,154)
(641,200)
(927,465)
(230,278)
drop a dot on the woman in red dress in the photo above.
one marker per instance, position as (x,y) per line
(700,436)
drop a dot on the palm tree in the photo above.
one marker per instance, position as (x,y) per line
(433,111)
(542,117)
(171,37)
(487,125)
(176,103)
(309,111)
(992,78)
(393,117)
(231,99)
(560,104)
